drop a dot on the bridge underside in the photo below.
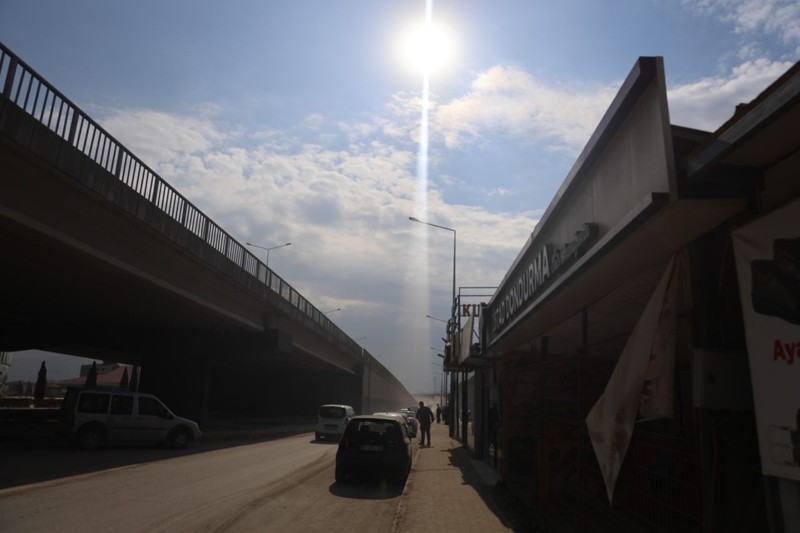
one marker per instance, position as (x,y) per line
(202,372)
(256,375)
(81,277)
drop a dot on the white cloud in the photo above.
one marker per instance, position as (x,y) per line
(507,100)
(707,103)
(755,19)
(500,191)
(314,121)
(158,136)
(346,214)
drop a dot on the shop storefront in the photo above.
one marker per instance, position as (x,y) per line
(612,387)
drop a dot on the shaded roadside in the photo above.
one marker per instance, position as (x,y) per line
(247,428)
(31,453)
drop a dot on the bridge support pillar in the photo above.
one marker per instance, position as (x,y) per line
(193,371)
(181,381)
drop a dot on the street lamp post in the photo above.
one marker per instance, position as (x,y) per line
(331,311)
(414,219)
(267,249)
(453,315)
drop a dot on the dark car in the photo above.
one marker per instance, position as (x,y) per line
(374,442)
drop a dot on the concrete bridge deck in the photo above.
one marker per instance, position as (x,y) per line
(102,258)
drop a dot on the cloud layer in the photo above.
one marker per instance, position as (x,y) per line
(342,191)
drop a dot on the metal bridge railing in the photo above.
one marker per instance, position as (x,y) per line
(22,86)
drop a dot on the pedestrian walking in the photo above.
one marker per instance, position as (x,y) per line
(425,417)
(438,414)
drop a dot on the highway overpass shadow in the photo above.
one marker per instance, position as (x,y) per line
(32,454)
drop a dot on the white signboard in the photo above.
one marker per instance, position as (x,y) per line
(768,268)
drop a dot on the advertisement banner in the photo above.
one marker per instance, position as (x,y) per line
(768,268)
(466,338)
(641,387)
(455,348)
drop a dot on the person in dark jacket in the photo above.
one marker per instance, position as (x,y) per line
(425,417)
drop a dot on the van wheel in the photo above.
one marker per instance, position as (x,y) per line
(91,438)
(178,439)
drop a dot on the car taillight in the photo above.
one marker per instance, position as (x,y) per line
(343,442)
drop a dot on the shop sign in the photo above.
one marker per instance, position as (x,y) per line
(540,268)
(768,268)
(473,310)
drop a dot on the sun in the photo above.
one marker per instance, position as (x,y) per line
(427,47)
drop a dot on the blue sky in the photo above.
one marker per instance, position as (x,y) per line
(299,121)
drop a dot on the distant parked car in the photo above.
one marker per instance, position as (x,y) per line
(379,441)
(91,418)
(404,419)
(332,419)
(412,418)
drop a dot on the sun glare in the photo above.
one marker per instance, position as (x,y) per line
(427,47)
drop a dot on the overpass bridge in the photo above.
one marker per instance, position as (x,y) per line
(100,257)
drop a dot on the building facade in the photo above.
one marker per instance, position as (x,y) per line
(618,385)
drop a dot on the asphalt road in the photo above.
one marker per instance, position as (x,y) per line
(276,485)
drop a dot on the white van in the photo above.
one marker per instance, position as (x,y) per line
(90,418)
(332,418)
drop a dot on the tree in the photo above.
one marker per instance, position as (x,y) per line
(41,383)
(134,386)
(91,377)
(123,383)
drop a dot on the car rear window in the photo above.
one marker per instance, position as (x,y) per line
(329,411)
(371,429)
(93,402)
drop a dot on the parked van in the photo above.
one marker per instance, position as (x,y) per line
(332,419)
(90,418)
